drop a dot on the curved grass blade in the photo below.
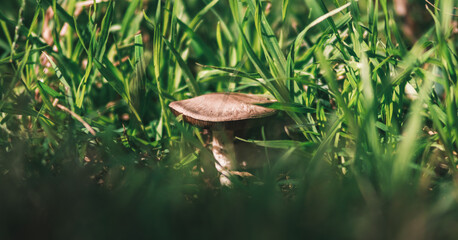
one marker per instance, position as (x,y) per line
(104,31)
(301,35)
(407,148)
(284,9)
(60,76)
(288,107)
(190,80)
(283,144)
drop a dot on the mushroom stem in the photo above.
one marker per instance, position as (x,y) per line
(223,151)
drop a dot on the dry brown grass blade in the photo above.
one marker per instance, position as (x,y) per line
(76,116)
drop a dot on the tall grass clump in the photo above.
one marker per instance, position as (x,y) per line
(364,145)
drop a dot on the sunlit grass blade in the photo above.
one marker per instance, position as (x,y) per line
(408,147)
(288,107)
(330,77)
(68,89)
(284,9)
(283,144)
(301,35)
(104,31)
(190,80)
(128,19)
(275,57)
(137,85)
(261,69)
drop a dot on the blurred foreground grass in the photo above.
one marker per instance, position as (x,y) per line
(89,149)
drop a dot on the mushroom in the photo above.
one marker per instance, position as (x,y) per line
(222,113)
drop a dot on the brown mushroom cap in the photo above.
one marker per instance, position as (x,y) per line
(221,108)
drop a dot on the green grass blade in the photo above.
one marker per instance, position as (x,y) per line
(190,80)
(407,148)
(115,82)
(284,9)
(271,47)
(288,107)
(127,19)
(104,31)
(282,144)
(17,77)
(137,86)
(301,35)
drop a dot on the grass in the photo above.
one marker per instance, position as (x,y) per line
(89,148)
